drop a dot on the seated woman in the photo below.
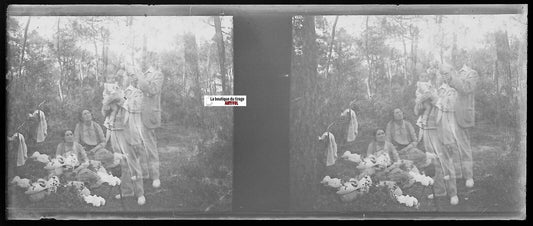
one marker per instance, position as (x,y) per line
(81,173)
(89,134)
(401,134)
(393,170)
(69,145)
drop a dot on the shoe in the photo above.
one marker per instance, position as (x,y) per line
(156,183)
(141,200)
(124,196)
(454,200)
(469,183)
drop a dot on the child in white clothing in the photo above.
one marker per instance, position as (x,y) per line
(112,97)
(425,92)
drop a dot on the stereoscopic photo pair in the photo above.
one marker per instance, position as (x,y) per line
(419,113)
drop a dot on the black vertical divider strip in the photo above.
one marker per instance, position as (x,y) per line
(262,59)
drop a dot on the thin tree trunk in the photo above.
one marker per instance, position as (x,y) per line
(131,31)
(498,94)
(221,52)
(59,61)
(104,60)
(331,46)
(96,59)
(144,64)
(95,50)
(207,70)
(414,55)
(21,62)
(368,61)
(454,51)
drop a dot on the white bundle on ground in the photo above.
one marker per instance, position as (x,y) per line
(40,157)
(407,200)
(368,162)
(55,165)
(351,157)
(107,178)
(331,182)
(96,201)
(348,187)
(21,182)
(71,160)
(383,160)
(52,183)
(364,183)
(423,179)
(56,162)
(37,190)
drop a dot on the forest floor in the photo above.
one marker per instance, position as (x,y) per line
(496,188)
(188,184)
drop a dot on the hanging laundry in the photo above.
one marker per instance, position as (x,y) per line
(331,155)
(41,131)
(353,125)
(22,149)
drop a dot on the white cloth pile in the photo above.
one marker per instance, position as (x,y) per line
(351,157)
(422,179)
(40,157)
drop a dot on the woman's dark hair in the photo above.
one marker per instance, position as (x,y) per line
(80,114)
(375,132)
(63,131)
(392,112)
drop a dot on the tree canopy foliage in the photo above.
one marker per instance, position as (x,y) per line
(65,68)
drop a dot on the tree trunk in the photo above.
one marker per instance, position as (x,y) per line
(104,54)
(331,46)
(208,71)
(191,59)
(498,94)
(454,51)
(132,43)
(59,62)
(144,63)
(95,51)
(368,61)
(21,62)
(414,50)
(305,152)
(221,53)
(438,19)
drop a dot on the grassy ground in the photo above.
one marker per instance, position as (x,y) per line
(196,176)
(496,189)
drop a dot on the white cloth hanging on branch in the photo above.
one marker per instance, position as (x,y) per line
(331,155)
(42,128)
(353,125)
(22,149)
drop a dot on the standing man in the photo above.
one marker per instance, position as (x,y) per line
(464,82)
(150,83)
